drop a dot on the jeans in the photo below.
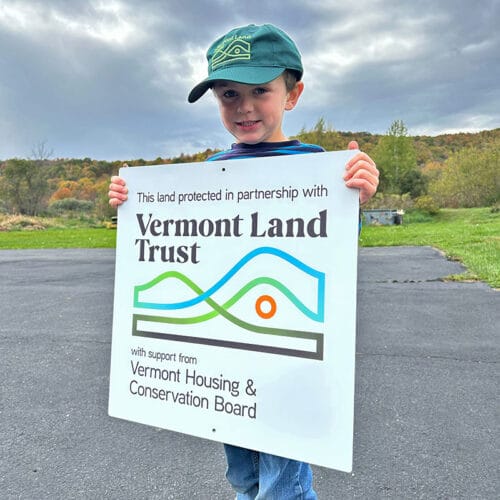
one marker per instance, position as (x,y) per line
(260,476)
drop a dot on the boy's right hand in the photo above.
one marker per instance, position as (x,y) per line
(117,193)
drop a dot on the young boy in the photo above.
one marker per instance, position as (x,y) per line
(255,73)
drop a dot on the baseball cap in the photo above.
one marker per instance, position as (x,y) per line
(250,54)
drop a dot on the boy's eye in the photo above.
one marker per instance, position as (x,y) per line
(260,91)
(228,94)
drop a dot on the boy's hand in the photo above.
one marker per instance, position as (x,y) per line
(117,191)
(361,173)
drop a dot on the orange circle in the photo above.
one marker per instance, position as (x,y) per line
(270,301)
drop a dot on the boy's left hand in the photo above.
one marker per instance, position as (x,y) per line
(362,173)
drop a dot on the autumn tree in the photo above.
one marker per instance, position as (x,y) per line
(323,135)
(101,203)
(470,178)
(82,189)
(23,185)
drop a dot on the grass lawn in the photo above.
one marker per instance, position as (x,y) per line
(58,238)
(471,236)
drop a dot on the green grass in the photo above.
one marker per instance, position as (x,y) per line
(470,236)
(59,238)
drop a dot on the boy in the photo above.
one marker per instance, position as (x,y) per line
(255,73)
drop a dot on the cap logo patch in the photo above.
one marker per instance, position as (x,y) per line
(237,50)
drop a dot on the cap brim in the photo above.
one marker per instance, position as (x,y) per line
(247,75)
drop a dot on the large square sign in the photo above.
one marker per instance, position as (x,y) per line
(235,304)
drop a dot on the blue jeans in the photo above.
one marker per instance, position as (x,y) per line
(260,476)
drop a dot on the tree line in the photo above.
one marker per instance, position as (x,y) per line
(449,170)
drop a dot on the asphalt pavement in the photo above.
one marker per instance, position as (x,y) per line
(426,411)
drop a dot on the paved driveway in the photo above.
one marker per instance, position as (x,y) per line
(426,416)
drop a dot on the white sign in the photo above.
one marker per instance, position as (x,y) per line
(235,304)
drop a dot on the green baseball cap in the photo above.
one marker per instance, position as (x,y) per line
(251,54)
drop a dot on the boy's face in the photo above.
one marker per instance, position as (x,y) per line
(254,113)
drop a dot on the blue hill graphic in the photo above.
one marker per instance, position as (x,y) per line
(317,315)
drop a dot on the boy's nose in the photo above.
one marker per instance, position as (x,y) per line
(244,105)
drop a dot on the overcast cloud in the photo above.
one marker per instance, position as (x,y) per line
(108,79)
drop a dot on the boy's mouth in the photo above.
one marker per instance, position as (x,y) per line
(248,123)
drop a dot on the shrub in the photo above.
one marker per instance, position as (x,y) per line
(426,204)
(71,205)
(22,223)
(470,178)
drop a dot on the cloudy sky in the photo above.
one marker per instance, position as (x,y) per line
(108,79)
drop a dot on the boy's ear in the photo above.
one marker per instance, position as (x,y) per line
(293,96)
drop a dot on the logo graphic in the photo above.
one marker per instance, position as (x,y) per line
(237,49)
(248,308)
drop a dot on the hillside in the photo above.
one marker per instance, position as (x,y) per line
(429,148)
(79,185)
